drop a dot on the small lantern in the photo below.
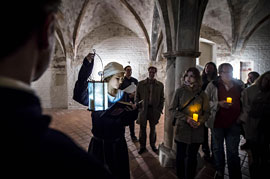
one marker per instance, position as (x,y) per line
(195,117)
(98,95)
(98,92)
(229,100)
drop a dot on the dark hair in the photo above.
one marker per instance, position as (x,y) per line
(220,68)
(127,67)
(20,19)
(214,75)
(254,74)
(196,73)
(152,67)
(260,79)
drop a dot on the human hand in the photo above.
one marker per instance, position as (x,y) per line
(192,123)
(139,104)
(90,57)
(224,104)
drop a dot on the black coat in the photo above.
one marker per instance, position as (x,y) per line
(31,149)
(260,111)
(108,143)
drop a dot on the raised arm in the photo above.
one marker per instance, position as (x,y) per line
(80,92)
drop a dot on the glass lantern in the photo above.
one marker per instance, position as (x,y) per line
(98,95)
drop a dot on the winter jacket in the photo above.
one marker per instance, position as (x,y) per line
(200,105)
(30,149)
(142,93)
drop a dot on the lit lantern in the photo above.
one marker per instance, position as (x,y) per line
(229,100)
(98,92)
(98,95)
(195,117)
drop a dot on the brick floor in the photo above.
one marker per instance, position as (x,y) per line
(77,124)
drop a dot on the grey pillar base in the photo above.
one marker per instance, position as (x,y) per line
(166,156)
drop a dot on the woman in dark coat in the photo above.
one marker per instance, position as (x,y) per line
(258,124)
(188,132)
(108,143)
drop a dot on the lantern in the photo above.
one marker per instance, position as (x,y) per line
(98,95)
(98,92)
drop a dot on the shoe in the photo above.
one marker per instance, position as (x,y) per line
(142,150)
(245,146)
(154,149)
(134,138)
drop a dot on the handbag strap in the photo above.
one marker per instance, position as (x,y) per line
(197,94)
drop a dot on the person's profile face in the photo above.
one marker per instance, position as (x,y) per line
(128,71)
(250,79)
(152,73)
(116,80)
(226,73)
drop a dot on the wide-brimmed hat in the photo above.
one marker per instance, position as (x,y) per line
(112,68)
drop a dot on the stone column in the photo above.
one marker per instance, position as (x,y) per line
(165,152)
(190,13)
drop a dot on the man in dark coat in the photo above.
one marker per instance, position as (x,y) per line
(151,91)
(29,148)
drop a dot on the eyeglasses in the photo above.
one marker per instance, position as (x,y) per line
(226,72)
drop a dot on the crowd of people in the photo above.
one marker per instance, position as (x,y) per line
(205,96)
(213,101)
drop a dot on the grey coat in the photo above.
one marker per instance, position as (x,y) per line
(212,93)
(200,105)
(142,93)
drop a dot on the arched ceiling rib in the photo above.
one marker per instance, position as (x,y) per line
(217,16)
(234,19)
(246,17)
(80,17)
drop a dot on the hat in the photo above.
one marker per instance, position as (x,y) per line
(113,68)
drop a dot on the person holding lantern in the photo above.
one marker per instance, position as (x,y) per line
(224,95)
(190,109)
(108,143)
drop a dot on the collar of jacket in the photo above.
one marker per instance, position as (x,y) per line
(235,82)
(194,89)
(146,81)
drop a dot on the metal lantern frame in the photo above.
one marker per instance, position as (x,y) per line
(98,92)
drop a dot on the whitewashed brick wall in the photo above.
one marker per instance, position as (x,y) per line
(258,49)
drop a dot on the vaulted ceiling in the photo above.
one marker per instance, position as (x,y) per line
(234,19)
(79,18)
